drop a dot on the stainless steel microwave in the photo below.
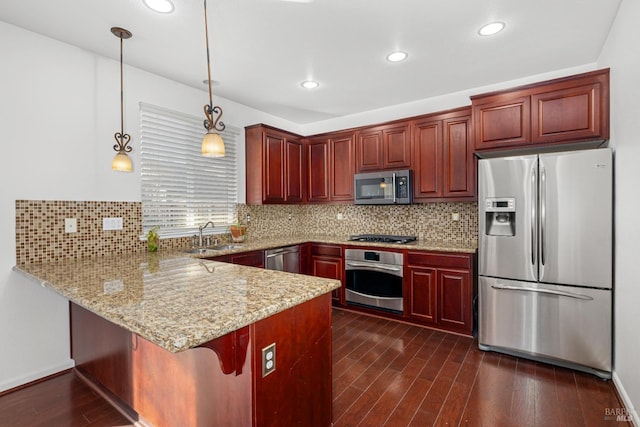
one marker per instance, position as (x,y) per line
(383,188)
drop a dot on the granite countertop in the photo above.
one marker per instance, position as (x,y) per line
(275,242)
(174,300)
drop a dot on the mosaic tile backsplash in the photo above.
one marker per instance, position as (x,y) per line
(40,232)
(427,221)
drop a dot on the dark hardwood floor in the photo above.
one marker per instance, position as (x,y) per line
(385,373)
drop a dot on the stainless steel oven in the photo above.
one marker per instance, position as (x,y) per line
(374,279)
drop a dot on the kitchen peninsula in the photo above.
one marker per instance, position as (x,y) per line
(180,340)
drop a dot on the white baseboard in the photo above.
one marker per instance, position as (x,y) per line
(33,376)
(625,399)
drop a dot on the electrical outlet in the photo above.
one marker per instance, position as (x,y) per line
(455,216)
(70,225)
(340,217)
(268,359)
(248,218)
(289,217)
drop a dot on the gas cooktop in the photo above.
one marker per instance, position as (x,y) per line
(382,238)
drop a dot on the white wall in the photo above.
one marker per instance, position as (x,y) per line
(59,109)
(620,53)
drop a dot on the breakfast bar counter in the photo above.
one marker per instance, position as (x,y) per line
(171,339)
(174,300)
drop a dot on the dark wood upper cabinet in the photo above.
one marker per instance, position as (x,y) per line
(294,175)
(318,170)
(569,109)
(503,122)
(330,169)
(275,166)
(427,159)
(459,169)
(569,114)
(384,147)
(274,144)
(444,166)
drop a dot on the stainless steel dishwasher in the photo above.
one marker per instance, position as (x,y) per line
(283,259)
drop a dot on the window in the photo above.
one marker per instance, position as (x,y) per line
(181,189)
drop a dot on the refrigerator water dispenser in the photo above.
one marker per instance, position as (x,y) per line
(500,216)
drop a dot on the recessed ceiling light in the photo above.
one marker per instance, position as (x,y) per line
(397,56)
(309,84)
(491,29)
(162,6)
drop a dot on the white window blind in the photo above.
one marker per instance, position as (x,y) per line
(182,190)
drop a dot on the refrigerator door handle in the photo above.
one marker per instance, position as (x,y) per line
(542,291)
(543,212)
(534,244)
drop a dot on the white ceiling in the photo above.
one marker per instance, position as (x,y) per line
(262,49)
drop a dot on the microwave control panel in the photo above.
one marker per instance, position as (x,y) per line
(402,189)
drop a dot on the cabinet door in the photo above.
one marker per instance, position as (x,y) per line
(568,114)
(459,162)
(251,259)
(369,150)
(427,159)
(294,176)
(342,167)
(396,146)
(421,303)
(318,171)
(274,162)
(329,268)
(455,298)
(502,123)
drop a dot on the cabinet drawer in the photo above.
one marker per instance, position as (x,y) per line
(439,260)
(326,250)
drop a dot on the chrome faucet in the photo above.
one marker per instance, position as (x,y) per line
(202,227)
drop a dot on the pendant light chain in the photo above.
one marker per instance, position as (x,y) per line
(121,162)
(122,138)
(209,109)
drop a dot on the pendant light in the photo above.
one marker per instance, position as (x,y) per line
(212,143)
(121,162)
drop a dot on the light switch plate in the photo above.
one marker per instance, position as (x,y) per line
(455,216)
(70,225)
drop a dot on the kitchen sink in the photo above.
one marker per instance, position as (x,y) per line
(211,249)
(225,247)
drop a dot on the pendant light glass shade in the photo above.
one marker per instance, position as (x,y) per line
(122,163)
(212,144)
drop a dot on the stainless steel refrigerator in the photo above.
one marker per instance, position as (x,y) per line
(545,258)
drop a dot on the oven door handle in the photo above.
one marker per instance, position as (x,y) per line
(373,266)
(373,296)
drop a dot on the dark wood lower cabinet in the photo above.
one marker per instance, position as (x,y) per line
(421,301)
(250,259)
(327,262)
(438,290)
(220,382)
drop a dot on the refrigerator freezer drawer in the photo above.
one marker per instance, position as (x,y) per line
(567,325)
